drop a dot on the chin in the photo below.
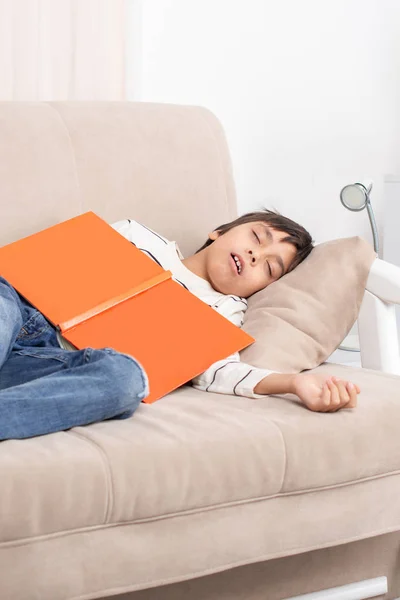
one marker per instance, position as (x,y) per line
(219,288)
(224,287)
(230,291)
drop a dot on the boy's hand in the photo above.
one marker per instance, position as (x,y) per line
(323,393)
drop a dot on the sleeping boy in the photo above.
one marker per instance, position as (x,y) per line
(46,385)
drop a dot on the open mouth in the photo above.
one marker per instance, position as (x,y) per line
(237,265)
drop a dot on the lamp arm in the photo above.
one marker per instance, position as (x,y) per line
(373,225)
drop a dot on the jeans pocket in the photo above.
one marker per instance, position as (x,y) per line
(37,331)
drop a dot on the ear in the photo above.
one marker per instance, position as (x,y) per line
(213,235)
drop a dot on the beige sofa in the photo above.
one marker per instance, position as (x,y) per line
(199,496)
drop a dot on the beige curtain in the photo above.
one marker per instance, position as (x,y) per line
(62,49)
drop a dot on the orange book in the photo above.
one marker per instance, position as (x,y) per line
(100,291)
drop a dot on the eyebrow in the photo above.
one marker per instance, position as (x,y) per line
(270,239)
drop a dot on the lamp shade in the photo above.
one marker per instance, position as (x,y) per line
(354,196)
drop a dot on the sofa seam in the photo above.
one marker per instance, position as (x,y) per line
(107,471)
(232,565)
(193,511)
(71,145)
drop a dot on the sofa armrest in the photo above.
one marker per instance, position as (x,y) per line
(384,281)
(377,325)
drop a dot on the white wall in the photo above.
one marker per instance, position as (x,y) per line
(305,89)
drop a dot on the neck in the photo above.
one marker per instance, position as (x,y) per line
(196,264)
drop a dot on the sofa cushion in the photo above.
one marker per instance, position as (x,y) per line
(299,320)
(213,481)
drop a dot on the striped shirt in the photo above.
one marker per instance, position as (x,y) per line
(228,376)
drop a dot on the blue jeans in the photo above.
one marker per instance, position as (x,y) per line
(44,388)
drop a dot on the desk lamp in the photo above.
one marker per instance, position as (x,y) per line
(355,197)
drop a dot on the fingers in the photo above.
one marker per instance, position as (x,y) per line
(325,398)
(345,397)
(336,400)
(343,394)
(353,390)
(328,394)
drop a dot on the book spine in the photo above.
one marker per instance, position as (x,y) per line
(67,325)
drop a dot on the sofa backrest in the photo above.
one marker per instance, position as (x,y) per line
(166,166)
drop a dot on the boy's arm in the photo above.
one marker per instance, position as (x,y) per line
(317,391)
(277,383)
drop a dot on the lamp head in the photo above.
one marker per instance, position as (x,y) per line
(356,195)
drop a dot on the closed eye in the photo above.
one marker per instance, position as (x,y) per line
(269,266)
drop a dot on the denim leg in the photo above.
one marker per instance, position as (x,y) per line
(11,319)
(44,388)
(58,389)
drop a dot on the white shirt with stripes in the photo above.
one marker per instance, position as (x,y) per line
(227,376)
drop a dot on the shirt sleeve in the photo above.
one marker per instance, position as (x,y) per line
(231,375)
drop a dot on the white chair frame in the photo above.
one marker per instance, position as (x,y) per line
(377,324)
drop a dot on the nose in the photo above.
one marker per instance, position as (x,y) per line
(253,257)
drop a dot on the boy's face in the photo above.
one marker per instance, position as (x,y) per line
(263,257)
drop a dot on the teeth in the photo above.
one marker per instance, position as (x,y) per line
(237,261)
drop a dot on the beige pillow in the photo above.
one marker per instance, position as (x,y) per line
(299,320)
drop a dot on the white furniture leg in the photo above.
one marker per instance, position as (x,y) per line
(369,588)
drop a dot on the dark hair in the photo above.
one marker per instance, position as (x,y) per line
(297,235)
